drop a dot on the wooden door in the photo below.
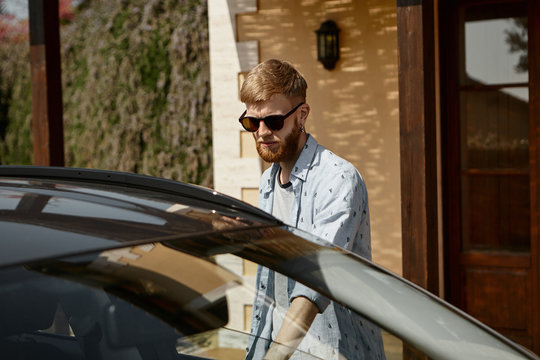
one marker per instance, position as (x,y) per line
(490,135)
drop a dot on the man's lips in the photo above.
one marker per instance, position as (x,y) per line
(267,144)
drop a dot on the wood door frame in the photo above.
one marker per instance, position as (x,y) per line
(451,189)
(534,139)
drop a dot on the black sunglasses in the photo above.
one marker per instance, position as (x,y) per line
(273,122)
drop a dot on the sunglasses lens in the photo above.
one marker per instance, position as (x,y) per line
(274,122)
(250,124)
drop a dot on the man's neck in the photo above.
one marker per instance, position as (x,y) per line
(287,166)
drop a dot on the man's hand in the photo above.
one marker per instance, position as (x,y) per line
(295,325)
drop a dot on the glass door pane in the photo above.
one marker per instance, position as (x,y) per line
(494,128)
(495,44)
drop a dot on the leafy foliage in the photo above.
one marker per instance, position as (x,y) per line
(15,101)
(136,90)
(517,39)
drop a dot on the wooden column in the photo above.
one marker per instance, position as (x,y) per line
(418,142)
(46,83)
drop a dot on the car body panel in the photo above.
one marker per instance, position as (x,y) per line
(84,210)
(120,211)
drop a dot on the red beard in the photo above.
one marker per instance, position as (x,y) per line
(286,151)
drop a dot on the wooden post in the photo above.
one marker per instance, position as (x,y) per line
(418,142)
(46,83)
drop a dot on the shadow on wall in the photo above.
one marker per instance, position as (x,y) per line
(355,106)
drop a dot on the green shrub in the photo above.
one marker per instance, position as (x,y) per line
(136,91)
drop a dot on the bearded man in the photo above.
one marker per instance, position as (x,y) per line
(313,189)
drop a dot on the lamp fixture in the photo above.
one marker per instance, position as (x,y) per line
(328,44)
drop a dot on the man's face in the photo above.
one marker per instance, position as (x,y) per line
(277,145)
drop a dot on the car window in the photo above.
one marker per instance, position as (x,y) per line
(132,303)
(241,308)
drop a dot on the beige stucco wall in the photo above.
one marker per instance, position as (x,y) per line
(354,107)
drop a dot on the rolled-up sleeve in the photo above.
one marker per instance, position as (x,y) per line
(301,290)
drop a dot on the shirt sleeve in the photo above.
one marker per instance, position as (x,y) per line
(341,216)
(301,290)
(341,213)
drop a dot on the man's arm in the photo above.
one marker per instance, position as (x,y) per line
(296,323)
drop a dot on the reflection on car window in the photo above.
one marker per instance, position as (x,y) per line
(240,301)
(60,324)
(9,200)
(51,318)
(82,208)
(130,303)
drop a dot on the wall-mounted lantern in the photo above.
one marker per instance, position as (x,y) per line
(328,44)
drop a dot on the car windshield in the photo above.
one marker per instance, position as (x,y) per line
(143,302)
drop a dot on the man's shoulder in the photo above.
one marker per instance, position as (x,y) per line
(335,174)
(330,163)
(332,179)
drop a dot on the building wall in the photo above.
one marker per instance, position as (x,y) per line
(354,108)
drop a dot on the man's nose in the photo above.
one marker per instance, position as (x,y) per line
(263,129)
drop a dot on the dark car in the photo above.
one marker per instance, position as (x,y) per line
(107,265)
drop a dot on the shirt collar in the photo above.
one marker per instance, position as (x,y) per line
(301,167)
(303,164)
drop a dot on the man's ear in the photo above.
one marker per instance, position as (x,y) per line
(304,112)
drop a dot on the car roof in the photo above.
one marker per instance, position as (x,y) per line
(46,212)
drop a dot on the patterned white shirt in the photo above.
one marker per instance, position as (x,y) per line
(331,202)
